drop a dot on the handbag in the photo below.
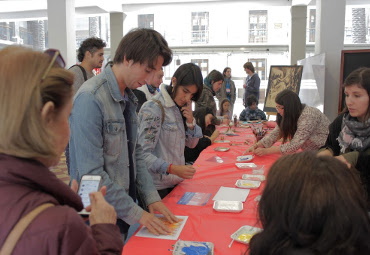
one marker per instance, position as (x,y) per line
(20,227)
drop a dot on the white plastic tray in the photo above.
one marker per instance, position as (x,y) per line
(228,206)
(245,233)
(254,177)
(245,165)
(180,244)
(247,184)
(244,158)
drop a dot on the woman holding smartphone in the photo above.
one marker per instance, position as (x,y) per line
(166,125)
(34,133)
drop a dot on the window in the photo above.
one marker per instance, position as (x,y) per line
(200,27)
(259,67)
(258,26)
(145,21)
(312,25)
(203,65)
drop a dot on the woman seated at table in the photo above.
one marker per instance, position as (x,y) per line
(312,205)
(349,133)
(212,83)
(35,103)
(299,125)
(206,120)
(166,125)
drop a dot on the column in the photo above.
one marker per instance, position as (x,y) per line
(61,28)
(116,31)
(297,45)
(330,15)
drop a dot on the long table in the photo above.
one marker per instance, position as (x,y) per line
(204,223)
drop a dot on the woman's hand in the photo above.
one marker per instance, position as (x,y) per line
(101,211)
(188,113)
(183,171)
(252,148)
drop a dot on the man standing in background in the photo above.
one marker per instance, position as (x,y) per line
(91,55)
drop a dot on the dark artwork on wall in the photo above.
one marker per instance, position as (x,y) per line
(281,77)
(351,60)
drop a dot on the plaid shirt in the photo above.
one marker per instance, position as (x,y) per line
(248,114)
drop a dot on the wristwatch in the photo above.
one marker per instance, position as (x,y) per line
(191,125)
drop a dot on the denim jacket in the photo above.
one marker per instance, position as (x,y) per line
(99,144)
(164,144)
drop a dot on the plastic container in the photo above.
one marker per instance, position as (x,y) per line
(247,184)
(245,165)
(244,158)
(254,177)
(228,206)
(245,233)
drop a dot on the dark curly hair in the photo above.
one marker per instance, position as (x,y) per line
(91,45)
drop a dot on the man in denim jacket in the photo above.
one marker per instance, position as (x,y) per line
(104,128)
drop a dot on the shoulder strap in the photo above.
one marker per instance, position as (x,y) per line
(82,70)
(19,228)
(162,110)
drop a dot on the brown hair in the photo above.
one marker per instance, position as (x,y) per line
(361,77)
(143,45)
(293,108)
(249,66)
(23,133)
(312,203)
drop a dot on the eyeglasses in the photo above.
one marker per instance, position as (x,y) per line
(55,57)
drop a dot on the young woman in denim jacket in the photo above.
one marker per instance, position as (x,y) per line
(166,125)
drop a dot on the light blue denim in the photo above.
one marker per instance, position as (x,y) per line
(99,144)
(164,143)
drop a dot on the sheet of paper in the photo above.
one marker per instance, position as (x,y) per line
(194,198)
(231,194)
(175,228)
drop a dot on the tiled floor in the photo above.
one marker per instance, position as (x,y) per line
(61,170)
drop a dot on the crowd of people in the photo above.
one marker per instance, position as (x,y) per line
(316,199)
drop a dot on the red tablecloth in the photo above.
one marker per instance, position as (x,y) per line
(204,223)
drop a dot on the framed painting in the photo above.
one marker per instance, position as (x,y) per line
(281,77)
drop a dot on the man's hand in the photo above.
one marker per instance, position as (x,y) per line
(161,208)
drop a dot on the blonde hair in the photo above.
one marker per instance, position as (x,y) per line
(23,133)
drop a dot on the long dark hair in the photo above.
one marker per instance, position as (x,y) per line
(187,74)
(200,115)
(292,110)
(221,106)
(314,204)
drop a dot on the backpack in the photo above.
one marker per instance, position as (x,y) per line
(82,70)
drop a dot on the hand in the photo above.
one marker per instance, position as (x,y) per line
(160,207)
(187,112)
(343,159)
(153,224)
(216,133)
(261,151)
(74,186)
(183,171)
(324,153)
(101,211)
(244,85)
(252,148)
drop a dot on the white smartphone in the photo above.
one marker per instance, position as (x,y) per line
(88,184)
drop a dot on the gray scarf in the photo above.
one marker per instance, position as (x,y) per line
(354,135)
